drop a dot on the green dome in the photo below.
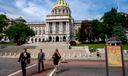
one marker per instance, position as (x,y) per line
(61,3)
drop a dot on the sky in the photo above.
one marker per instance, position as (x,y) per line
(36,10)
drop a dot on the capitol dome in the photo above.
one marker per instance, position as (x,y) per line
(61,8)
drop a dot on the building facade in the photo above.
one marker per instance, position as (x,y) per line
(58,26)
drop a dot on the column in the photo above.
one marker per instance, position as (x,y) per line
(59,39)
(60,28)
(51,28)
(54,39)
(33,40)
(37,31)
(47,28)
(66,27)
(41,30)
(54,28)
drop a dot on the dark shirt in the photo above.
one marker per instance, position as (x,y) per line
(56,56)
(23,57)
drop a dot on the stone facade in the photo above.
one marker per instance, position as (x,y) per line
(58,26)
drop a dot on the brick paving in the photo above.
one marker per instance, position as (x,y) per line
(33,71)
(88,68)
(72,68)
(8,65)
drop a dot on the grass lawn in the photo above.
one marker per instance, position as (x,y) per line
(100,45)
(8,44)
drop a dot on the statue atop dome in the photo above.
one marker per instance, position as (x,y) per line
(61,8)
(61,3)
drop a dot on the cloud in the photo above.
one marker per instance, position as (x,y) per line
(90,9)
(36,10)
(32,10)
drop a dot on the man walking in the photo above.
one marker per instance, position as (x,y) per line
(24,59)
(41,57)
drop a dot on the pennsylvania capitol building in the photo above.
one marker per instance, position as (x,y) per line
(59,26)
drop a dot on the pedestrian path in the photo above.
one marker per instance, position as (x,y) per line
(33,70)
(88,68)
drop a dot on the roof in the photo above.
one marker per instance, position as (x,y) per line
(113,40)
(61,3)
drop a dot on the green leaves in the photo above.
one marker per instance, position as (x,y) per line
(113,23)
(19,33)
(4,22)
(119,32)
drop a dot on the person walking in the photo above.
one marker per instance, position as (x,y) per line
(24,59)
(56,57)
(41,58)
(98,53)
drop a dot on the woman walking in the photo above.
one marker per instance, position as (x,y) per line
(56,57)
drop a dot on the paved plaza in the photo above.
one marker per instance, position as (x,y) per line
(8,66)
(88,68)
(80,61)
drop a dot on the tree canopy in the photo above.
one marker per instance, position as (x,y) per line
(107,27)
(4,22)
(19,33)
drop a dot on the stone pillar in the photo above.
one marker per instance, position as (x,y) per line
(37,39)
(51,26)
(68,27)
(47,28)
(38,31)
(54,39)
(41,30)
(59,38)
(61,28)
(33,40)
(54,28)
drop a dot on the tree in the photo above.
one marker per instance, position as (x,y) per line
(81,33)
(109,21)
(88,31)
(4,22)
(96,31)
(119,32)
(19,33)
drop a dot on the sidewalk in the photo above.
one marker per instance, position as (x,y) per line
(48,68)
(33,71)
(88,68)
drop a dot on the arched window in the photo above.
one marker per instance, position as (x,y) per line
(57,39)
(39,39)
(35,39)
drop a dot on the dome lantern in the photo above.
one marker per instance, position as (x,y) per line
(61,8)
(61,3)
